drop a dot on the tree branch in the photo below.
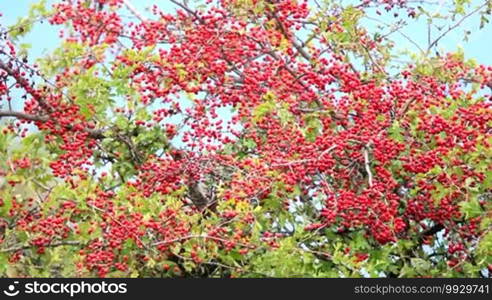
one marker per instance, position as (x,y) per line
(455,26)
(188,10)
(203,236)
(431,231)
(367,167)
(93,133)
(134,11)
(21,115)
(51,245)
(296,45)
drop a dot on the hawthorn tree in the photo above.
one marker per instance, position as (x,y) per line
(245,138)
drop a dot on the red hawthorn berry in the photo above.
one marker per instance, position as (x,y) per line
(361,257)
(452,263)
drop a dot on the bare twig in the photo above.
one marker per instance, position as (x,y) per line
(134,11)
(450,28)
(188,10)
(404,35)
(306,160)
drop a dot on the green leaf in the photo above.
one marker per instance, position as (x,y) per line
(3,263)
(249,144)
(262,110)
(487,182)
(483,20)
(471,208)
(395,132)
(420,265)
(285,116)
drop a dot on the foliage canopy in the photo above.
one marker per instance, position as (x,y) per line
(245,138)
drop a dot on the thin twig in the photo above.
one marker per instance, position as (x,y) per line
(404,35)
(455,26)
(306,160)
(197,236)
(134,11)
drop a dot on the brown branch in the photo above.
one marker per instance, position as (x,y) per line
(325,256)
(23,116)
(206,237)
(93,133)
(431,231)
(51,245)
(189,10)
(24,84)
